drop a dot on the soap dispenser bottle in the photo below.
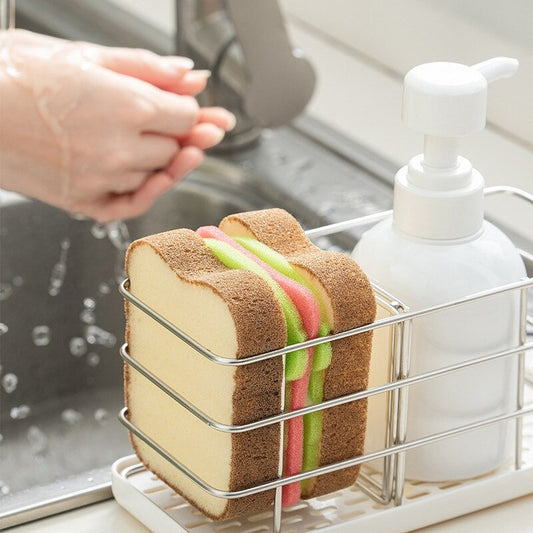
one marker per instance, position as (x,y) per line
(436,248)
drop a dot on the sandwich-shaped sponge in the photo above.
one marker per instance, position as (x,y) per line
(235,296)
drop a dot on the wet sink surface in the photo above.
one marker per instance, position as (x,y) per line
(62,320)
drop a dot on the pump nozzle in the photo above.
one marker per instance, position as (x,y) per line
(444,101)
(497,68)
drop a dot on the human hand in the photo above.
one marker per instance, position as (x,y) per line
(99,131)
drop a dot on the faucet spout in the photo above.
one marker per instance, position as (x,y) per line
(255,71)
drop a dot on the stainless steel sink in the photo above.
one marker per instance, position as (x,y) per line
(62,317)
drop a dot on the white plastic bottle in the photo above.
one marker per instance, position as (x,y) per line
(436,248)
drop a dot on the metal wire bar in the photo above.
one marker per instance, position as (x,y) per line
(403,392)
(327,469)
(512,191)
(227,428)
(377,217)
(382,493)
(522,337)
(384,322)
(347,224)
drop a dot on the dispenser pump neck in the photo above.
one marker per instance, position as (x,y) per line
(444,101)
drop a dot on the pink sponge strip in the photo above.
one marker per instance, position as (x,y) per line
(309,311)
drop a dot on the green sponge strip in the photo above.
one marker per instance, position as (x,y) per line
(313,423)
(295,362)
(323,352)
(269,256)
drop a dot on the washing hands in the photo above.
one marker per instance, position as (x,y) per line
(99,131)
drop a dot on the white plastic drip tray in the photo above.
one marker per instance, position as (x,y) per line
(163,511)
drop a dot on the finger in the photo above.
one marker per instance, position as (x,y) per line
(151,151)
(170,114)
(218,116)
(187,159)
(161,71)
(128,182)
(191,83)
(136,203)
(203,136)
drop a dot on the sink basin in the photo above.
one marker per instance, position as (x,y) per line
(61,316)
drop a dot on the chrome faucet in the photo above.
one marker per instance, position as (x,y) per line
(255,72)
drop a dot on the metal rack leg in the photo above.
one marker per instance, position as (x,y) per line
(521,377)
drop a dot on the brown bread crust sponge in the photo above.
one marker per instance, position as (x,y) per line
(259,326)
(349,302)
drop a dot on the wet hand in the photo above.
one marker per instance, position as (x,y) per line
(100,131)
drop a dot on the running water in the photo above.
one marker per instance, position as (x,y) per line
(119,236)
(59,270)
(98,231)
(97,335)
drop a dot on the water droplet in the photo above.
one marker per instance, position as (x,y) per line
(89,303)
(90,479)
(98,231)
(96,335)
(10,382)
(120,273)
(57,277)
(87,316)
(71,416)
(3,328)
(41,335)
(119,235)
(37,439)
(77,346)
(4,488)
(101,415)
(6,290)
(59,270)
(93,359)
(104,288)
(20,412)
(18,281)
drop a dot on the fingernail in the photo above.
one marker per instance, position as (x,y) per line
(232,120)
(200,74)
(179,63)
(218,135)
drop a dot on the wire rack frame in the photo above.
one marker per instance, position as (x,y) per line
(393,478)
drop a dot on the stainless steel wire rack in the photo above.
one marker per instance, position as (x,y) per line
(386,488)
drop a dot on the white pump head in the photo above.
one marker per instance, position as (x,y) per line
(438,195)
